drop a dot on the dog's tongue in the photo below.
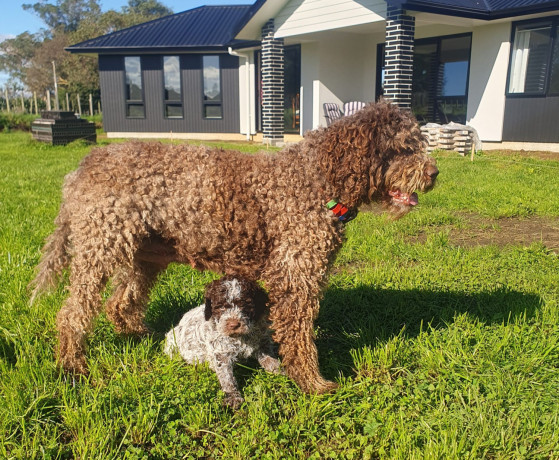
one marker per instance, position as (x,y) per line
(404,198)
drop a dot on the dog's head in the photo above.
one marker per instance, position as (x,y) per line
(377,154)
(234,303)
(400,166)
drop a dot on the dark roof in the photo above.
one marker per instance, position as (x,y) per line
(204,28)
(480,9)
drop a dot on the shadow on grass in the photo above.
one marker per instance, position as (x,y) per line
(357,317)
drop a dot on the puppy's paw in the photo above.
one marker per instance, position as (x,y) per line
(233,400)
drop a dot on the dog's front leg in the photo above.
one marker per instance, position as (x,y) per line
(294,280)
(223,367)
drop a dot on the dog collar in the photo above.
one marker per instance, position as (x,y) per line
(341,211)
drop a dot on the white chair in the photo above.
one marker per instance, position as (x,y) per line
(351,107)
(332,112)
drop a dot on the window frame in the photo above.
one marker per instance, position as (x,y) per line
(206,103)
(554,20)
(131,102)
(178,102)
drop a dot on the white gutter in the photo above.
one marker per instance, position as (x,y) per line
(247,80)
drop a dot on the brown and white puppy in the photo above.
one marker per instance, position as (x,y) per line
(231,324)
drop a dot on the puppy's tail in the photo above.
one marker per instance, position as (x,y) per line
(55,258)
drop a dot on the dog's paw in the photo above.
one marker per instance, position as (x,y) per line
(233,400)
(326,387)
(272,365)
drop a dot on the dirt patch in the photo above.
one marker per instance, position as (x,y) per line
(475,230)
(539,155)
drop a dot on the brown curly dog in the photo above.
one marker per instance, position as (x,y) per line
(131,209)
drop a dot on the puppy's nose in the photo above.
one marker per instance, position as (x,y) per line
(432,172)
(235,326)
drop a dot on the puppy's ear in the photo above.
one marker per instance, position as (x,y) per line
(208,309)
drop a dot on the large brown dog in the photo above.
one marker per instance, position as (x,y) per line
(131,209)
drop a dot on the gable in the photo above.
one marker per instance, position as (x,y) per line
(306,16)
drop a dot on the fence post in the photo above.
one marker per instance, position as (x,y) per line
(67,102)
(36,105)
(79,105)
(22,102)
(90,105)
(7,99)
(48,101)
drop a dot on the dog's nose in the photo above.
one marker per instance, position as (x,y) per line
(432,172)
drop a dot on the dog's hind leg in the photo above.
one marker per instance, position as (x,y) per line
(76,317)
(127,305)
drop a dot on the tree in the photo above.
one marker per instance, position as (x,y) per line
(64,15)
(146,8)
(16,54)
(39,75)
(28,58)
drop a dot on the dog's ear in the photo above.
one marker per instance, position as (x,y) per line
(208,309)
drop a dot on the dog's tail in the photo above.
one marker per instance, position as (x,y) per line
(55,258)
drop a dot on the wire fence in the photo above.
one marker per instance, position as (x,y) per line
(32,103)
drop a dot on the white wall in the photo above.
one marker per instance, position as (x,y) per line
(488,75)
(247,103)
(338,68)
(307,16)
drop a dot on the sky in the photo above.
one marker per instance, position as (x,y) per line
(14,20)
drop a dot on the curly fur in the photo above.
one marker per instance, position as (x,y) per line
(231,324)
(131,209)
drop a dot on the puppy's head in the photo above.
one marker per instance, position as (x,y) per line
(234,303)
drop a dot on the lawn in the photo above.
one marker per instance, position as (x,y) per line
(442,329)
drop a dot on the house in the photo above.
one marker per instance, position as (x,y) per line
(270,67)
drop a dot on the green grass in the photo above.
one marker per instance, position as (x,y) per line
(441,351)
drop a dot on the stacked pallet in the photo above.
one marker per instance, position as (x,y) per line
(61,128)
(459,138)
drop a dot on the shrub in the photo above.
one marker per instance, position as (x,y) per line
(16,121)
(97,119)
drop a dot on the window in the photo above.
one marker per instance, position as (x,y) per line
(212,87)
(172,82)
(530,57)
(534,62)
(134,91)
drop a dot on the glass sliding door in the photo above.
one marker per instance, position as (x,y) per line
(454,65)
(441,67)
(440,79)
(425,58)
(292,89)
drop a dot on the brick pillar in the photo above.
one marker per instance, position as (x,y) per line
(272,85)
(398,65)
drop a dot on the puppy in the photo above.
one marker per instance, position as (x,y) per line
(231,324)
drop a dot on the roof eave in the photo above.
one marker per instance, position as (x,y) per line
(147,49)
(477,14)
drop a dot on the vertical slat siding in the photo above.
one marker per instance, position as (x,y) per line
(111,72)
(530,119)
